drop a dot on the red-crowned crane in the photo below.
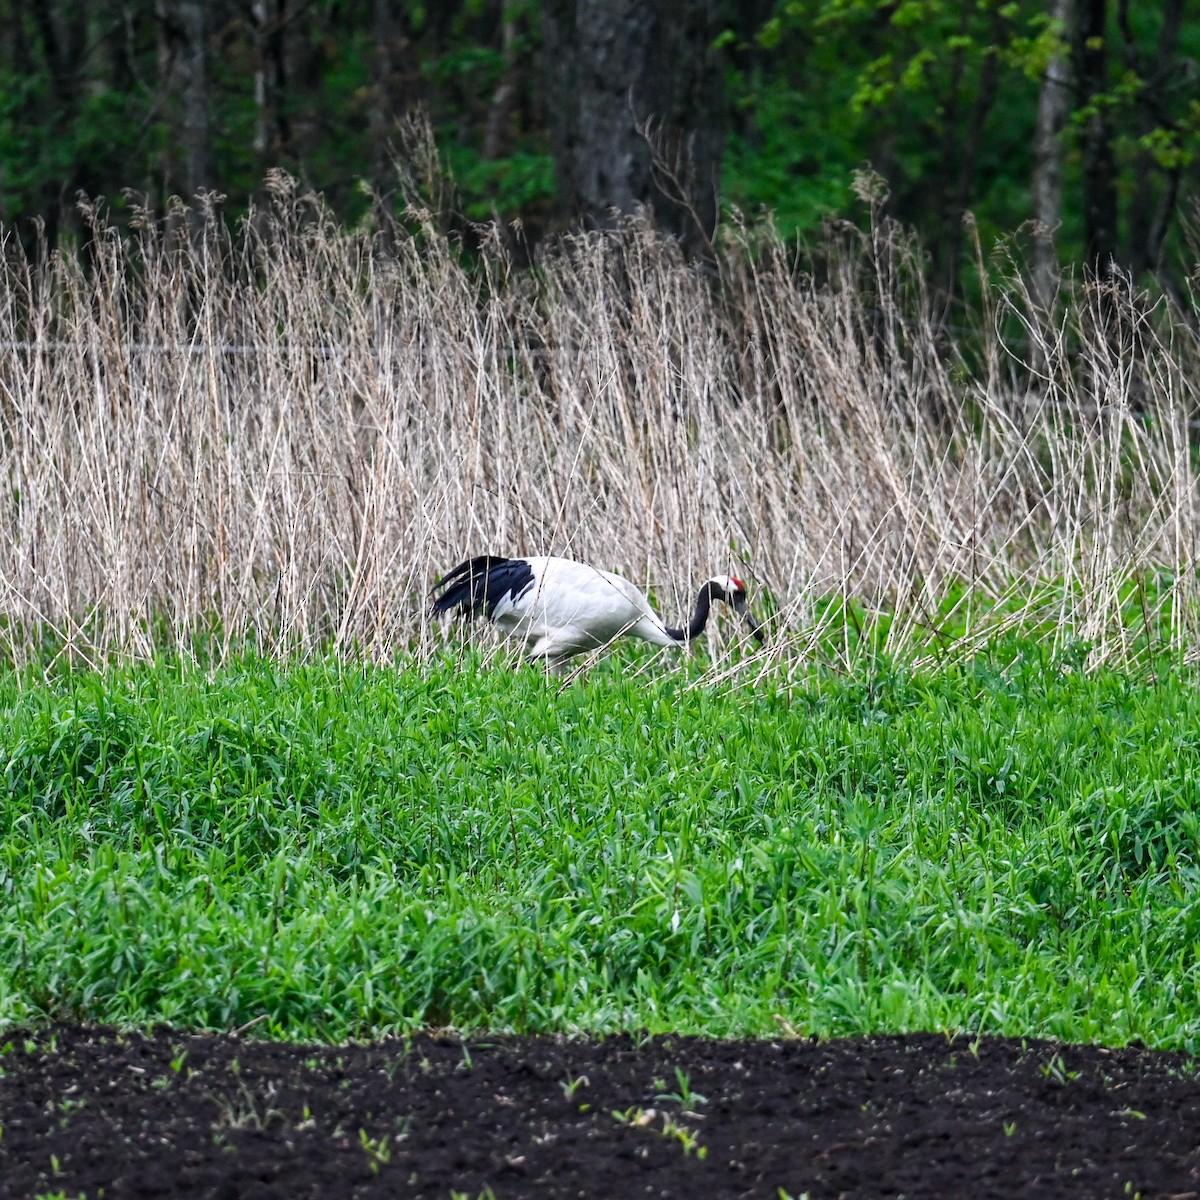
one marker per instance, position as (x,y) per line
(560,608)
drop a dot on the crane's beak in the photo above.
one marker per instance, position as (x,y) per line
(752,622)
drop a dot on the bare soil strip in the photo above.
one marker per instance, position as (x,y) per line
(174,1114)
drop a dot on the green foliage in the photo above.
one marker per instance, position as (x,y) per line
(47,149)
(795,166)
(900,86)
(938,97)
(507,187)
(1009,847)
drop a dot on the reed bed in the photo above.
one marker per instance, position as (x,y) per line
(282,433)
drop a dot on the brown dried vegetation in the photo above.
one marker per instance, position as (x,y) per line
(290,429)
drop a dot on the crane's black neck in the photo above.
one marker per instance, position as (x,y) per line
(708,593)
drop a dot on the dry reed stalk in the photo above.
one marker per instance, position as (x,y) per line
(289,432)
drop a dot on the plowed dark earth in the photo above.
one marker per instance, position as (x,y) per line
(97,1113)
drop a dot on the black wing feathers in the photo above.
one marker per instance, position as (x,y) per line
(481,583)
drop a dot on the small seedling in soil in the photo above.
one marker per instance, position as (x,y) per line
(644,1118)
(637,1117)
(242,1113)
(685,1097)
(66,1107)
(1056,1070)
(571,1086)
(684,1136)
(378,1150)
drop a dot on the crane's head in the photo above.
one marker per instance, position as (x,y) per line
(733,591)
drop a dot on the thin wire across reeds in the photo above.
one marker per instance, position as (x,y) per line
(287,431)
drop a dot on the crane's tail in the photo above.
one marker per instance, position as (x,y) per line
(480,583)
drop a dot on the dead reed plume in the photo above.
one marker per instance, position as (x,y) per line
(286,431)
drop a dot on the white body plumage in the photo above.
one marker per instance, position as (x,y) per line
(559,607)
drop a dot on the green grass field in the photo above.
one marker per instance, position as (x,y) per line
(338,851)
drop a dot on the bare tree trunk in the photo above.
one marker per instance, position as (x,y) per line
(269,19)
(985,99)
(197,125)
(1099,164)
(1150,214)
(616,71)
(183,69)
(496,133)
(382,115)
(63,38)
(1054,100)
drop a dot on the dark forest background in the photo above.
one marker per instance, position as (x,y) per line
(1076,116)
